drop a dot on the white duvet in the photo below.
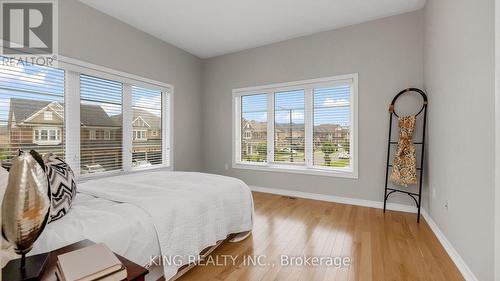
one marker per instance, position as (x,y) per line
(126,229)
(189,211)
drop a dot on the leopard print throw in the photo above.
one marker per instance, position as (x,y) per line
(404,166)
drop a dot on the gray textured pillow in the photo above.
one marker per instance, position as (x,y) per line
(62,186)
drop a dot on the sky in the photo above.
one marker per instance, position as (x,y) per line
(29,82)
(43,83)
(331,106)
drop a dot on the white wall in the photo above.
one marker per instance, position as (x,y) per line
(459,78)
(387,54)
(89,35)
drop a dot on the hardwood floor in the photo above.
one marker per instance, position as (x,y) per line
(381,247)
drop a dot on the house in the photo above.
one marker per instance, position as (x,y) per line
(39,125)
(253,134)
(290,136)
(146,135)
(36,124)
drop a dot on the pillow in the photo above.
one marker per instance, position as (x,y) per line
(62,186)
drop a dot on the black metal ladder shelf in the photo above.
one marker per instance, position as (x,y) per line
(417,197)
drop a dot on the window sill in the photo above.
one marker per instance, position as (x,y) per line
(56,142)
(339,173)
(91,176)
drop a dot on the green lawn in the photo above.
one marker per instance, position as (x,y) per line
(340,163)
(285,157)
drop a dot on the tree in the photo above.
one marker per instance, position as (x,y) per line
(327,149)
(262,148)
(346,147)
(3,154)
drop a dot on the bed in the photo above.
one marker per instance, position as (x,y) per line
(145,215)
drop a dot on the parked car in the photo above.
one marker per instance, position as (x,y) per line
(287,150)
(344,155)
(91,169)
(141,163)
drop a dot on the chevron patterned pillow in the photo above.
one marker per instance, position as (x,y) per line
(62,186)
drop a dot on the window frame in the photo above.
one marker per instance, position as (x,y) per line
(107,134)
(73,68)
(48,115)
(92,134)
(308,167)
(37,131)
(141,132)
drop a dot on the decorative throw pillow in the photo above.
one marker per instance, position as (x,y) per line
(62,186)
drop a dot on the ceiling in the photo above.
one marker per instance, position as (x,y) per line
(208,28)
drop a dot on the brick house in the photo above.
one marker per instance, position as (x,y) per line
(146,136)
(254,133)
(35,124)
(39,125)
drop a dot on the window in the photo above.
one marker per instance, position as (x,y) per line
(47,136)
(100,109)
(92,135)
(47,115)
(115,121)
(147,116)
(140,135)
(253,122)
(331,130)
(289,128)
(303,127)
(28,94)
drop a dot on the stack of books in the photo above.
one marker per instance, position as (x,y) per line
(96,262)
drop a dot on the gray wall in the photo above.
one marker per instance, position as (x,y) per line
(89,35)
(387,54)
(459,78)
(497,140)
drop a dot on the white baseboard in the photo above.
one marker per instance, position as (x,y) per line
(336,199)
(455,257)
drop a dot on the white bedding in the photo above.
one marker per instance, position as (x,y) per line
(189,211)
(125,228)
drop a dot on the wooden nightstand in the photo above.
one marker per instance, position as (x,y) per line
(135,272)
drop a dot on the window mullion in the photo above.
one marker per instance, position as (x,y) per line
(166,101)
(127,127)
(72,120)
(270,128)
(237,116)
(308,121)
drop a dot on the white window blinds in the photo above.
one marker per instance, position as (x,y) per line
(77,113)
(147,127)
(304,126)
(253,128)
(289,126)
(331,131)
(100,112)
(29,95)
